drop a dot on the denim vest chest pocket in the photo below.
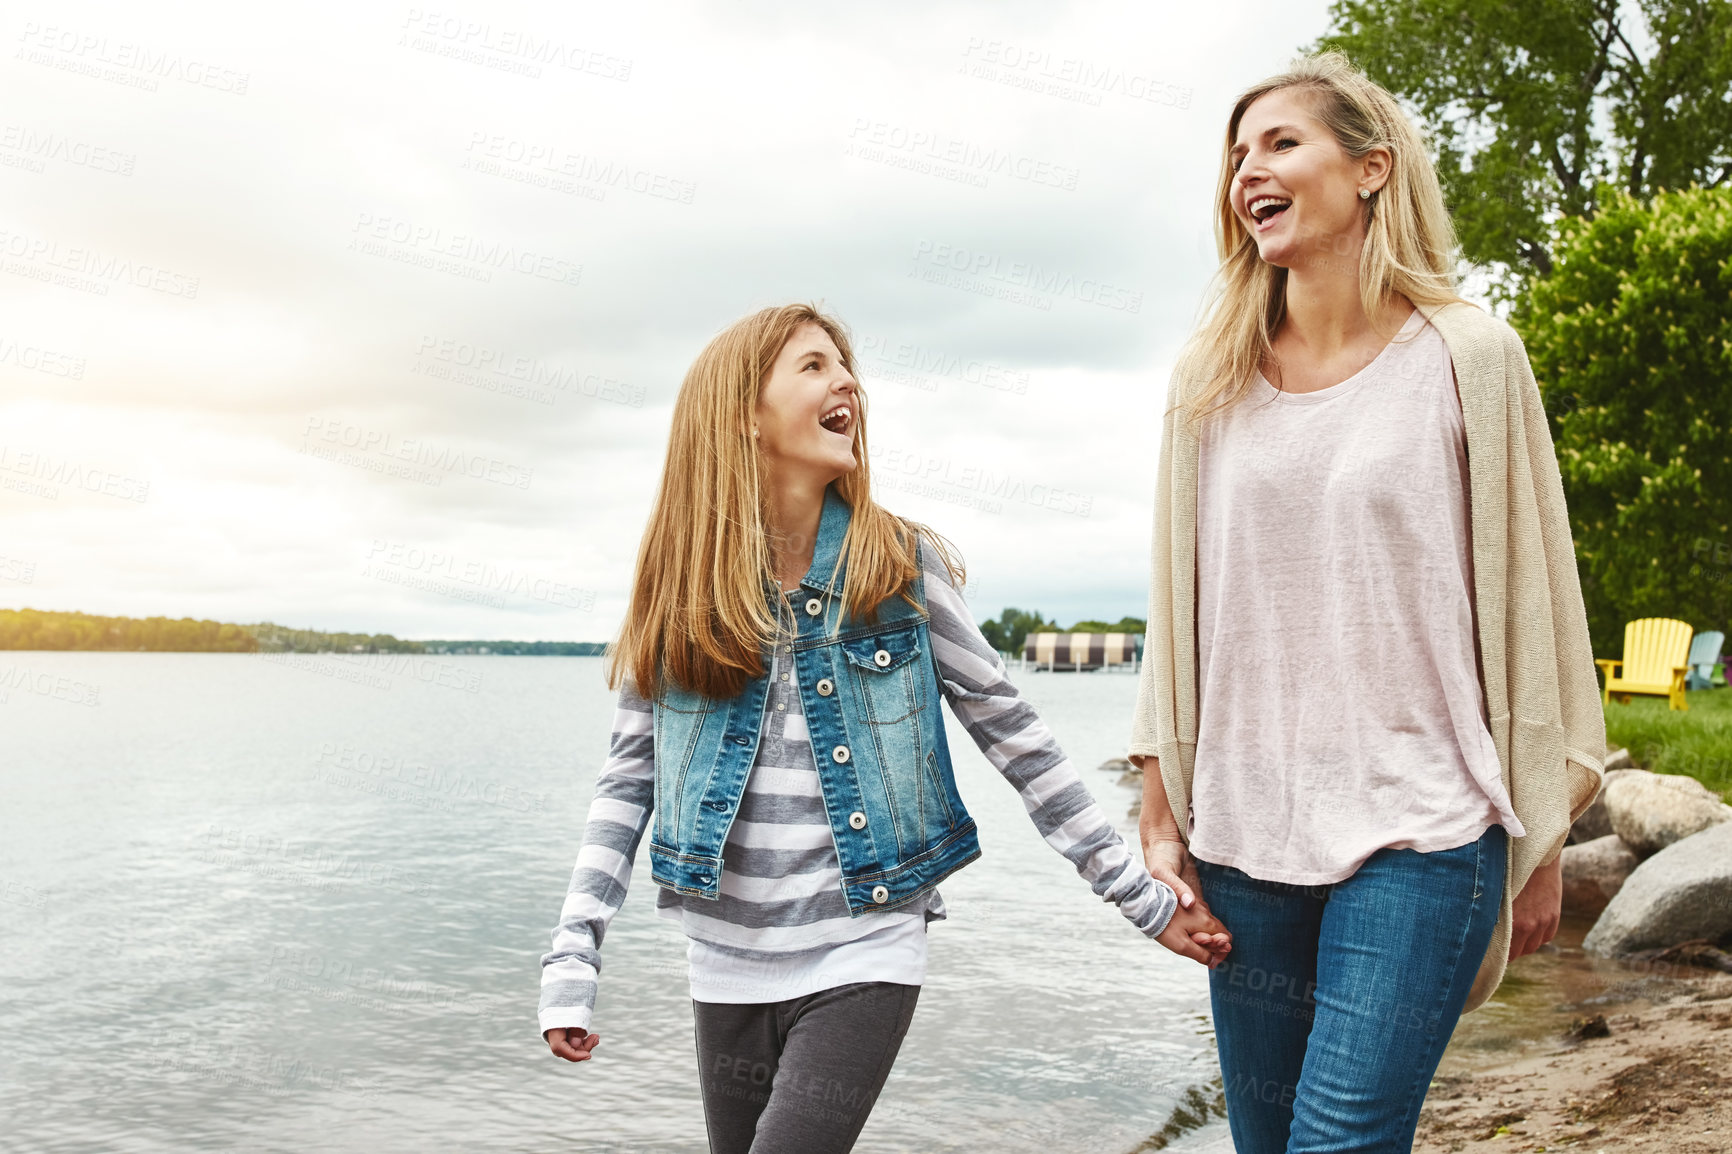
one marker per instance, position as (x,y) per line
(881,667)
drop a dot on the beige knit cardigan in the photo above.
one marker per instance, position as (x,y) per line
(1542,694)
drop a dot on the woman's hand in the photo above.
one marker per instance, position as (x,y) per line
(1164,850)
(1194,932)
(1169,861)
(571,1043)
(1537,909)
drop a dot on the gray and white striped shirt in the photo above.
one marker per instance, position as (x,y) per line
(781,927)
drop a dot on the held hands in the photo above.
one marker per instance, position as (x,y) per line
(1194,932)
(571,1043)
(1197,934)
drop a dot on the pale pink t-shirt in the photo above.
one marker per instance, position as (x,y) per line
(1340,708)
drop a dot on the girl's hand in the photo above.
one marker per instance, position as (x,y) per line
(571,1043)
(1196,934)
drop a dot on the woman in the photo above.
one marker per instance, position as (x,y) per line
(791,640)
(1368,689)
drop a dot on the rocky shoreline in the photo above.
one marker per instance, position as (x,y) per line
(1651,860)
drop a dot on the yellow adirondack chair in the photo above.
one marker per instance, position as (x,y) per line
(1656,655)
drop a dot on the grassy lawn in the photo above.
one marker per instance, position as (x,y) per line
(1697,742)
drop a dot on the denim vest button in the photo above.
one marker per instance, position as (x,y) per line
(881,658)
(857,820)
(814,607)
(825,687)
(840,755)
(880,894)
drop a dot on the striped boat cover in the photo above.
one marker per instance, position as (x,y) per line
(1091,650)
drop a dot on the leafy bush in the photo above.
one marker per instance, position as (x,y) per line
(1631,339)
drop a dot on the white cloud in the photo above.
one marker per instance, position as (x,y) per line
(377,237)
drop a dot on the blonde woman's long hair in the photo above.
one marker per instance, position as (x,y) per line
(1409,241)
(703,608)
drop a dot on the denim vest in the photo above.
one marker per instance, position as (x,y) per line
(871,698)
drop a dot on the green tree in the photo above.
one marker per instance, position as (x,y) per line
(1631,339)
(1122,625)
(1534,105)
(1012,628)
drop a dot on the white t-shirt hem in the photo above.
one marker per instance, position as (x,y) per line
(897,955)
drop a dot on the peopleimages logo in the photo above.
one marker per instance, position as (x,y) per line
(982,268)
(40,360)
(540,380)
(43,684)
(494,153)
(1075,77)
(472,256)
(46,472)
(122,61)
(469,579)
(36,148)
(411,452)
(507,49)
(914,364)
(91,269)
(884,142)
(944,478)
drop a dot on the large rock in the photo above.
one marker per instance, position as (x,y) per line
(1594,872)
(1650,811)
(1681,894)
(1595,822)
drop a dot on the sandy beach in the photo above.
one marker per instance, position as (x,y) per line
(1650,1073)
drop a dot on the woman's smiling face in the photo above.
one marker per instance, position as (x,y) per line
(808,408)
(1294,188)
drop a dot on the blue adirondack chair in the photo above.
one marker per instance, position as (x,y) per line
(1704,656)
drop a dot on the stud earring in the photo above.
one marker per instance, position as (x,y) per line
(1365,194)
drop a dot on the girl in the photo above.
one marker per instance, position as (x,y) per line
(1368,689)
(780,670)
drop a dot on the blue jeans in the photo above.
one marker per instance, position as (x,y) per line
(1334,1007)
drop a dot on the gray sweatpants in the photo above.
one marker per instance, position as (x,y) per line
(800,1076)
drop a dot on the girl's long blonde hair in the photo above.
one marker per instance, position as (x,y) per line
(1409,241)
(703,607)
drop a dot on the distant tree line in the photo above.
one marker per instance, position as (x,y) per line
(36,629)
(1014,625)
(281,639)
(42,629)
(519,648)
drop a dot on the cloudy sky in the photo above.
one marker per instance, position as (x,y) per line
(370,316)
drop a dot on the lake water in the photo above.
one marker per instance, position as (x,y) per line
(299,905)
